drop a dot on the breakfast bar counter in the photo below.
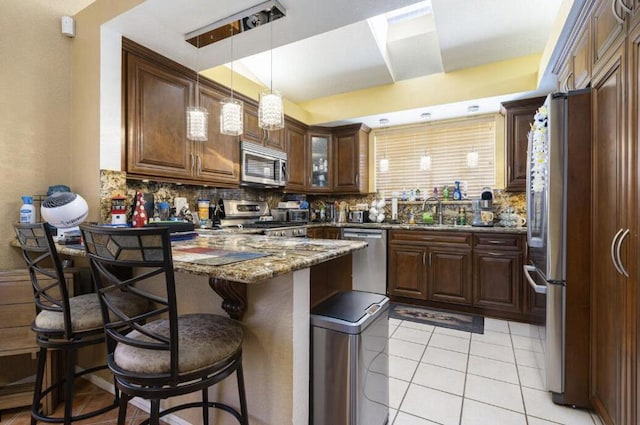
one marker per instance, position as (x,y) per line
(264,282)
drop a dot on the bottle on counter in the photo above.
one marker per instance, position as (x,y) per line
(445,193)
(457,194)
(27,211)
(462,216)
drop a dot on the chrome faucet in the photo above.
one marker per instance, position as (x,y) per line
(438,207)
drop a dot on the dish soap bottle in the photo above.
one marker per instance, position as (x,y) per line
(27,211)
(457,195)
(445,193)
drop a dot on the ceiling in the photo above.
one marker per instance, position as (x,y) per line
(323,48)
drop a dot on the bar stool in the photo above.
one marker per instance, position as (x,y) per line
(62,323)
(170,354)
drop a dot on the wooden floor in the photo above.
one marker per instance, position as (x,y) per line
(88,397)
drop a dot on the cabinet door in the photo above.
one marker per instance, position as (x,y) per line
(315,232)
(156,121)
(350,159)
(407,273)
(217,159)
(581,59)
(518,118)
(608,287)
(449,275)
(497,280)
(251,131)
(607,30)
(275,139)
(319,164)
(296,149)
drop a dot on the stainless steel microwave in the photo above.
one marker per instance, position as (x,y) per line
(262,166)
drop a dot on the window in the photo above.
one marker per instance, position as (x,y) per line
(448,144)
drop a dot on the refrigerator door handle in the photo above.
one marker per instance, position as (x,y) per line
(540,289)
(613,253)
(622,270)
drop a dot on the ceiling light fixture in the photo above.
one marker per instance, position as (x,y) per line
(270,109)
(197,117)
(231,110)
(246,20)
(473,108)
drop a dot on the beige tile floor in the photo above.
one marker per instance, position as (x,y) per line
(448,377)
(437,376)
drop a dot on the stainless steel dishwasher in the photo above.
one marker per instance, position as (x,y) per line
(350,360)
(369,264)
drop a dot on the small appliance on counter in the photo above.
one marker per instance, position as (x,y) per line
(119,210)
(358,216)
(295,213)
(483,209)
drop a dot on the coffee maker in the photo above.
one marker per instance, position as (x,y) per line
(483,209)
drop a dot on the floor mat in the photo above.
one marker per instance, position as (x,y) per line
(435,317)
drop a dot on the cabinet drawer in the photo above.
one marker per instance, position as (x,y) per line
(497,241)
(17,338)
(12,315)
(448,238)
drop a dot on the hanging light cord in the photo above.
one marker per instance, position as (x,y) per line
(271,51)
(231,30)
(197,73)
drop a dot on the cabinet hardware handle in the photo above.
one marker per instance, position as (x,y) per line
(615,12)
(193,162)
(613,257)
(357,179)
(424,261)
(495,254)
(199,164)
(622,270)
(494,241)
(624,6)
(430,262)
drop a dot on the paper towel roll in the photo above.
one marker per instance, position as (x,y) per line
(394,208)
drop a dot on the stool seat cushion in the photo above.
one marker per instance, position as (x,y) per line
(204,340)
(86,313)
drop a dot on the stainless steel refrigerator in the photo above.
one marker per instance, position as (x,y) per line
(558,238)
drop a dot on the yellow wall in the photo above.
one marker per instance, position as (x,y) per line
(35,129)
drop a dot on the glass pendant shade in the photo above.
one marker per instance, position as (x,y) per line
(425,163)
(270,111)
(384,165)
(472,159)
(197,123)
(231,116)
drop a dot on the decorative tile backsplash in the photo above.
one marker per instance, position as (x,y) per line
(116,183)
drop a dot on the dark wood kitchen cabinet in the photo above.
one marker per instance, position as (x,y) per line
(351,158)
(497,271)
(319,161)
(518,117)
(296,148)
(156,100)
(430,266)
(157,92)
(252,132)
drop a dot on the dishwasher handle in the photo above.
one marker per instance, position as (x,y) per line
(350,235)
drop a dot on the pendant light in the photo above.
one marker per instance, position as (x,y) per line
(197,117)
(425,160)
(231,110)
(384,162)
(270,110)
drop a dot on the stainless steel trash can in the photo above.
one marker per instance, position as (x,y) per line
(350,360)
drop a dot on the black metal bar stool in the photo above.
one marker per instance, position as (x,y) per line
(62,323)
(170,354)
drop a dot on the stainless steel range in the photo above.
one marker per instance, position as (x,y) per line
(256,215)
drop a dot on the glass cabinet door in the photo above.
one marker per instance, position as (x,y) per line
(320,163)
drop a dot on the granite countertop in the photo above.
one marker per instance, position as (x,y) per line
(255,257)
(423,227)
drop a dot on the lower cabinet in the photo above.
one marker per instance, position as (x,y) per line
(475,272)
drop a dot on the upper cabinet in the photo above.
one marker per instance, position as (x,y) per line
(319,162)
(518,118)
(253,132)
(157,93)
(351,158)
(296,147)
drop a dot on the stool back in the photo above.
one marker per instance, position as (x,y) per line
(146,252)
(41,256)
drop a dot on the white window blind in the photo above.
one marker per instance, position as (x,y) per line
(447,143)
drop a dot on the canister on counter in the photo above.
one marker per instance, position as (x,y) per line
(203,209)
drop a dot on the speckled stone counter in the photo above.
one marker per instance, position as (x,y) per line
(426,227)
(284,255)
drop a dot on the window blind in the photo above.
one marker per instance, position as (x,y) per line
(447,142)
